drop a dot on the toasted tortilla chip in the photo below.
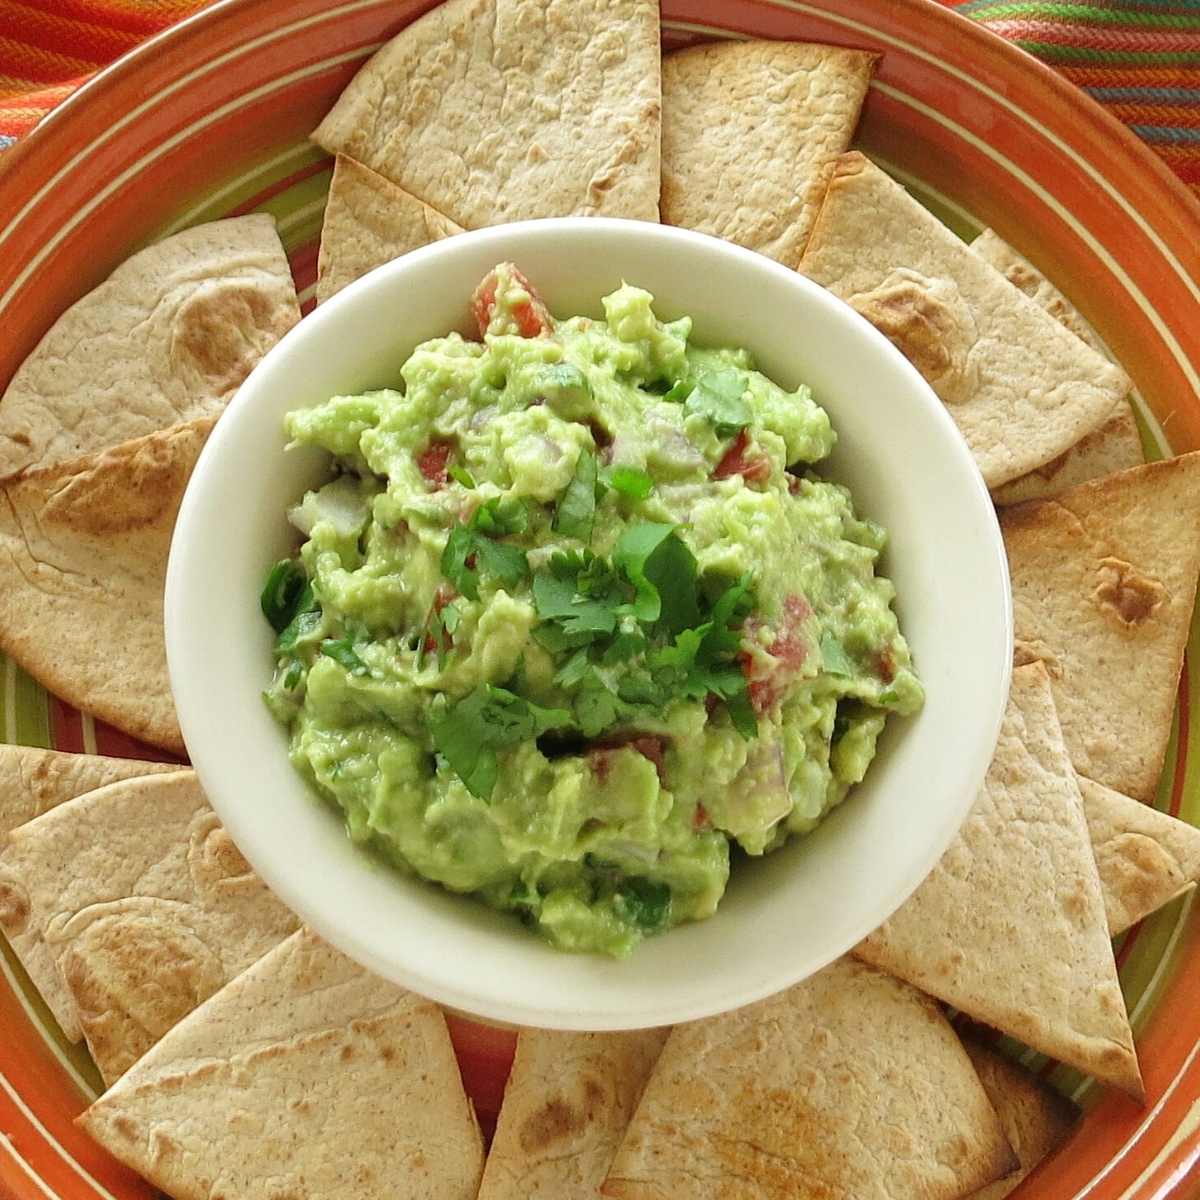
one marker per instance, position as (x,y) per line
(1104,578)
(305,1077)
(1010,927)
(849,1084)
(167,339)
(129,907)
(1145,857)
(368,222)
(83,560)
(33,781)
(1116,445)
(775,116)
(1036,1119)
(1021,388)
(502,110)
(566,1107)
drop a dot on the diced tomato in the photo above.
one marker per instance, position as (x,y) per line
(433,462)
(793,484)
(767,684)
(647,745)
(886,665)
(752,468)
(700,818)
(532,316)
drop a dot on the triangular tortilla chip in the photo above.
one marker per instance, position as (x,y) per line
(306,1077)
(1116,445)
(128,907)
(1145,857)
(566,1107)
(1021,388)
(35,781)
(168,338)
(368,222)
(501,110)
(1104,578)
(1036,1119)
(1009,927)
(775,116)
(83,559)
(850,1084)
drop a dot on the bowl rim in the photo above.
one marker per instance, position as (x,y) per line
(345,935)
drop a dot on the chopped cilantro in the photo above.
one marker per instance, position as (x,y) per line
(646,902)
(834,657)
(470,548)
(678,391)
(282,592)
(342,651)
(579,594)
(576,511)
(719,396)
(306,621)
(741,713)
(629,481)
(663,572)
(460,474)
(468,734)
(293,675)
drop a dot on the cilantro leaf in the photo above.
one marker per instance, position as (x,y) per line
(282,592)
(576,511)
(507,563)
(305,623)
(834,657)
(646,902)
(342,651)
(469,733)
(622,648)
(573,670)
(557,598)
(629,481)
(460,545)
(719,396)
(634,549)
(663,572)
(470,548)
(460,474)
(679,390)
(741,713)
(498,517)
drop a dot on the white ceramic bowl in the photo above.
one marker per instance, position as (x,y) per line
(784,916)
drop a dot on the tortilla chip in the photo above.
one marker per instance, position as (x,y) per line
(130,906)
(775,116)
(368,222)
(502,110)
(1104,577)
(1009,927)
(1116,445)
(849,1084)
(566,1107)
(306,1077)
(1020,387)
(1036,1119)
(1146,858)
(83,560)
(167,339)
(35,781)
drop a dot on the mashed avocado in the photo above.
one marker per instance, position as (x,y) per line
(573,616)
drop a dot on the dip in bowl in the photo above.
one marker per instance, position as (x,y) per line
(575,618)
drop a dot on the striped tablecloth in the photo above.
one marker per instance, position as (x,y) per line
(1139,58)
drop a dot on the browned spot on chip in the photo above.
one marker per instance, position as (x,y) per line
(555,1121)
(14,906)
(1130,596)
(928,323)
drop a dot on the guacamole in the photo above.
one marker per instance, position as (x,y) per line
(574,618)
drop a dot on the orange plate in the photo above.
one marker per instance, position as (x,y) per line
(210,119)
